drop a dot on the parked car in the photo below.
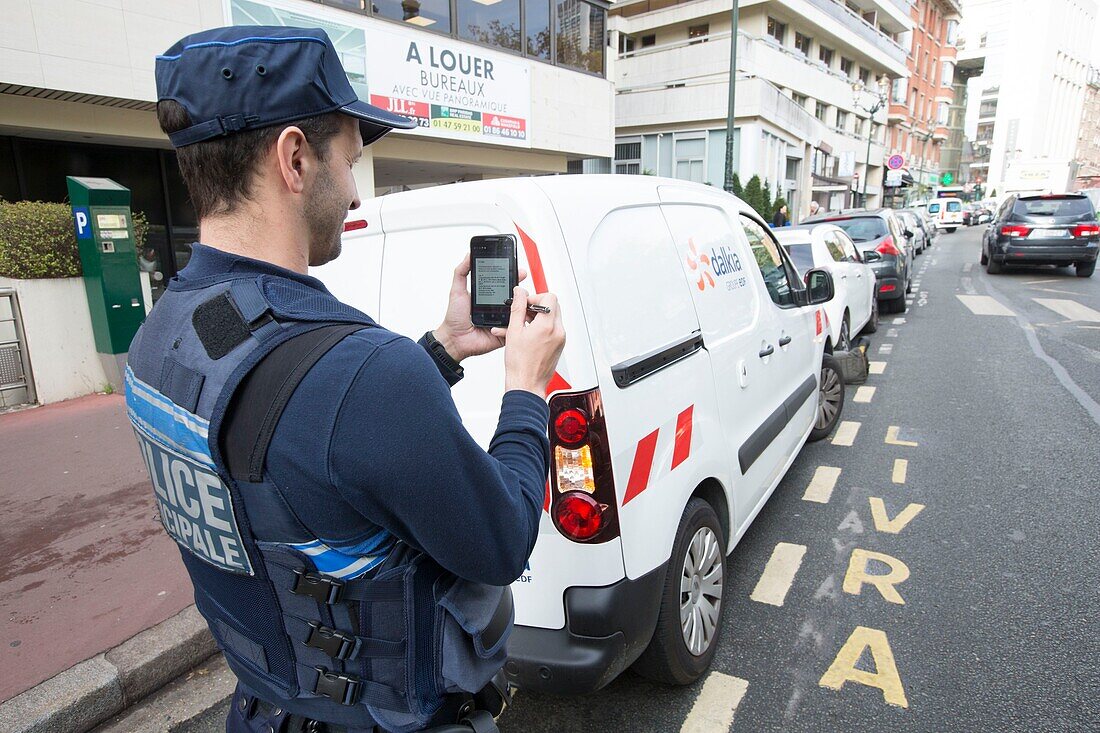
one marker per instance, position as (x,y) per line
(947,213)
(694,371)
(1058,229)
(926,225)
(854,308)
(969,219)
(912,223)
(984,215)
(879,231)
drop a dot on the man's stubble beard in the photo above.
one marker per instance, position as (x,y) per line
(325,212)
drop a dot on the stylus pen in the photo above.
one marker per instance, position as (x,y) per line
(532,308)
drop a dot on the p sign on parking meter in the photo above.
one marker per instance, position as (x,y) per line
(83,222)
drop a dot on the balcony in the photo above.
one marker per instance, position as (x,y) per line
(867,32)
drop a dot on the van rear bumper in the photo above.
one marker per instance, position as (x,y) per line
(606,630)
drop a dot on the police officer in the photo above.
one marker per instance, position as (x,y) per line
(350,545)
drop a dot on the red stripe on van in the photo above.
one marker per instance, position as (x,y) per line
(534,262)
(643,463)
(546,501)
(682,448)
(557,383)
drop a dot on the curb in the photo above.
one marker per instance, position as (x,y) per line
(94,690)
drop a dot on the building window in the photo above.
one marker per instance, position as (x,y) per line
(947,76)
(982,39)
(433,15)
(777,30)
(842,119)
(899,89)
(846,66)
(494,25)
(536,14)
(689,159)
(952,31)
(825,55)
(799,99)
(865,76)
(650,40)
(802,43)
(626,43)
(988,108)
(821,110)
(628,157)
(632,169)
(699,32)
(942,110)
(579,36)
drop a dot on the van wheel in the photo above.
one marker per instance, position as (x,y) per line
(690,621)
(951,230)
(830,398)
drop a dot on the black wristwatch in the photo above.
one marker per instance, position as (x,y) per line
(441,354)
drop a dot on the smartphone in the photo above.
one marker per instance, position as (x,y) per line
(494,274)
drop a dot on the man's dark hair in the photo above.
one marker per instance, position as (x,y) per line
(219,172)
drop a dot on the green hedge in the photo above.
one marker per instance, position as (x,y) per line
(37,240)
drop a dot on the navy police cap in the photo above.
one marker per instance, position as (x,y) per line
(248,77)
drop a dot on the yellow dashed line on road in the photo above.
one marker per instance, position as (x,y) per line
(901,468)
(822,484)
(864,394)
(717,702)
(846,433)
(778,574)
(876,367)
(892,437)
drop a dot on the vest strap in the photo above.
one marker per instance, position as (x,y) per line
(344,646)
(324,589)
(350,690)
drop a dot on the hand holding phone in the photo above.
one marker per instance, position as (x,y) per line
(494,275)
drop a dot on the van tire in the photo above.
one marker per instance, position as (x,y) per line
(667,659)
(828,364)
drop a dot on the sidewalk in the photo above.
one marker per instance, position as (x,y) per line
(84,564)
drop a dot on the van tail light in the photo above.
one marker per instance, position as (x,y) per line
(582,487)
(1086,230)
(1015,230)
(351,226)
(888,247)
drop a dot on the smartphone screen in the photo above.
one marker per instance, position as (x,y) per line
(494,274)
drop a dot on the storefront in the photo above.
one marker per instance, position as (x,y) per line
(505,88)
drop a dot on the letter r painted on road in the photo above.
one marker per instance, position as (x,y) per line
(857,575)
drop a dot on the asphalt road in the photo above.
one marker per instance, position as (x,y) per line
(989,531)
(998,629)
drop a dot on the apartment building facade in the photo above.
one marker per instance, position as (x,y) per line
(77,93)
(1025,109)
(1088,138)
(799,124)
(920,103)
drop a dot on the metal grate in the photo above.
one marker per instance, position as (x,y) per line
(11,366)
(15,386)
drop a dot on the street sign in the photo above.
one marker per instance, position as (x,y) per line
(893,178)
(947,179)
(894,162)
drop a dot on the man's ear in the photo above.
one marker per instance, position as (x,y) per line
(290,153)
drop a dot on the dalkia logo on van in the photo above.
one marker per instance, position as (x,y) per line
(721,261)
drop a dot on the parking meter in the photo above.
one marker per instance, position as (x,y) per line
(105,238)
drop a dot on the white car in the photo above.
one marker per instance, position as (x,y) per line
(854,309)
(692,374)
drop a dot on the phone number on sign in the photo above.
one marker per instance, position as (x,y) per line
(506,132)
(471,126)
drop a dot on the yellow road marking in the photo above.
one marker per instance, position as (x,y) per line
(857,575)
(876,367)
(885,677)
(864,394)
(822,484)
(717,702)
(778,574)
(892,437)
(883,523)
(901,469)
(846,433)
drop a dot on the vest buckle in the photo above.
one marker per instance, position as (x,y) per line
(332,642)
(318,587)
(339,687)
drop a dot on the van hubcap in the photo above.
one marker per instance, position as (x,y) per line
(701,591)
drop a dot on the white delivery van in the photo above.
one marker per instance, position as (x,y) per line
(946,212)
(688,384)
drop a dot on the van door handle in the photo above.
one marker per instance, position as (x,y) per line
(784,341)
(768,351)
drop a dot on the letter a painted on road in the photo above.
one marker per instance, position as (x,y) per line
(885,677)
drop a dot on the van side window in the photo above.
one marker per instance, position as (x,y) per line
(766,255)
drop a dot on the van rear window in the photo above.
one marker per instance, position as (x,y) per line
(954,206)
(1068,206)
(802,256)
(864,228)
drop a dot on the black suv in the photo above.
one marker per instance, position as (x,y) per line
(1057,229)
